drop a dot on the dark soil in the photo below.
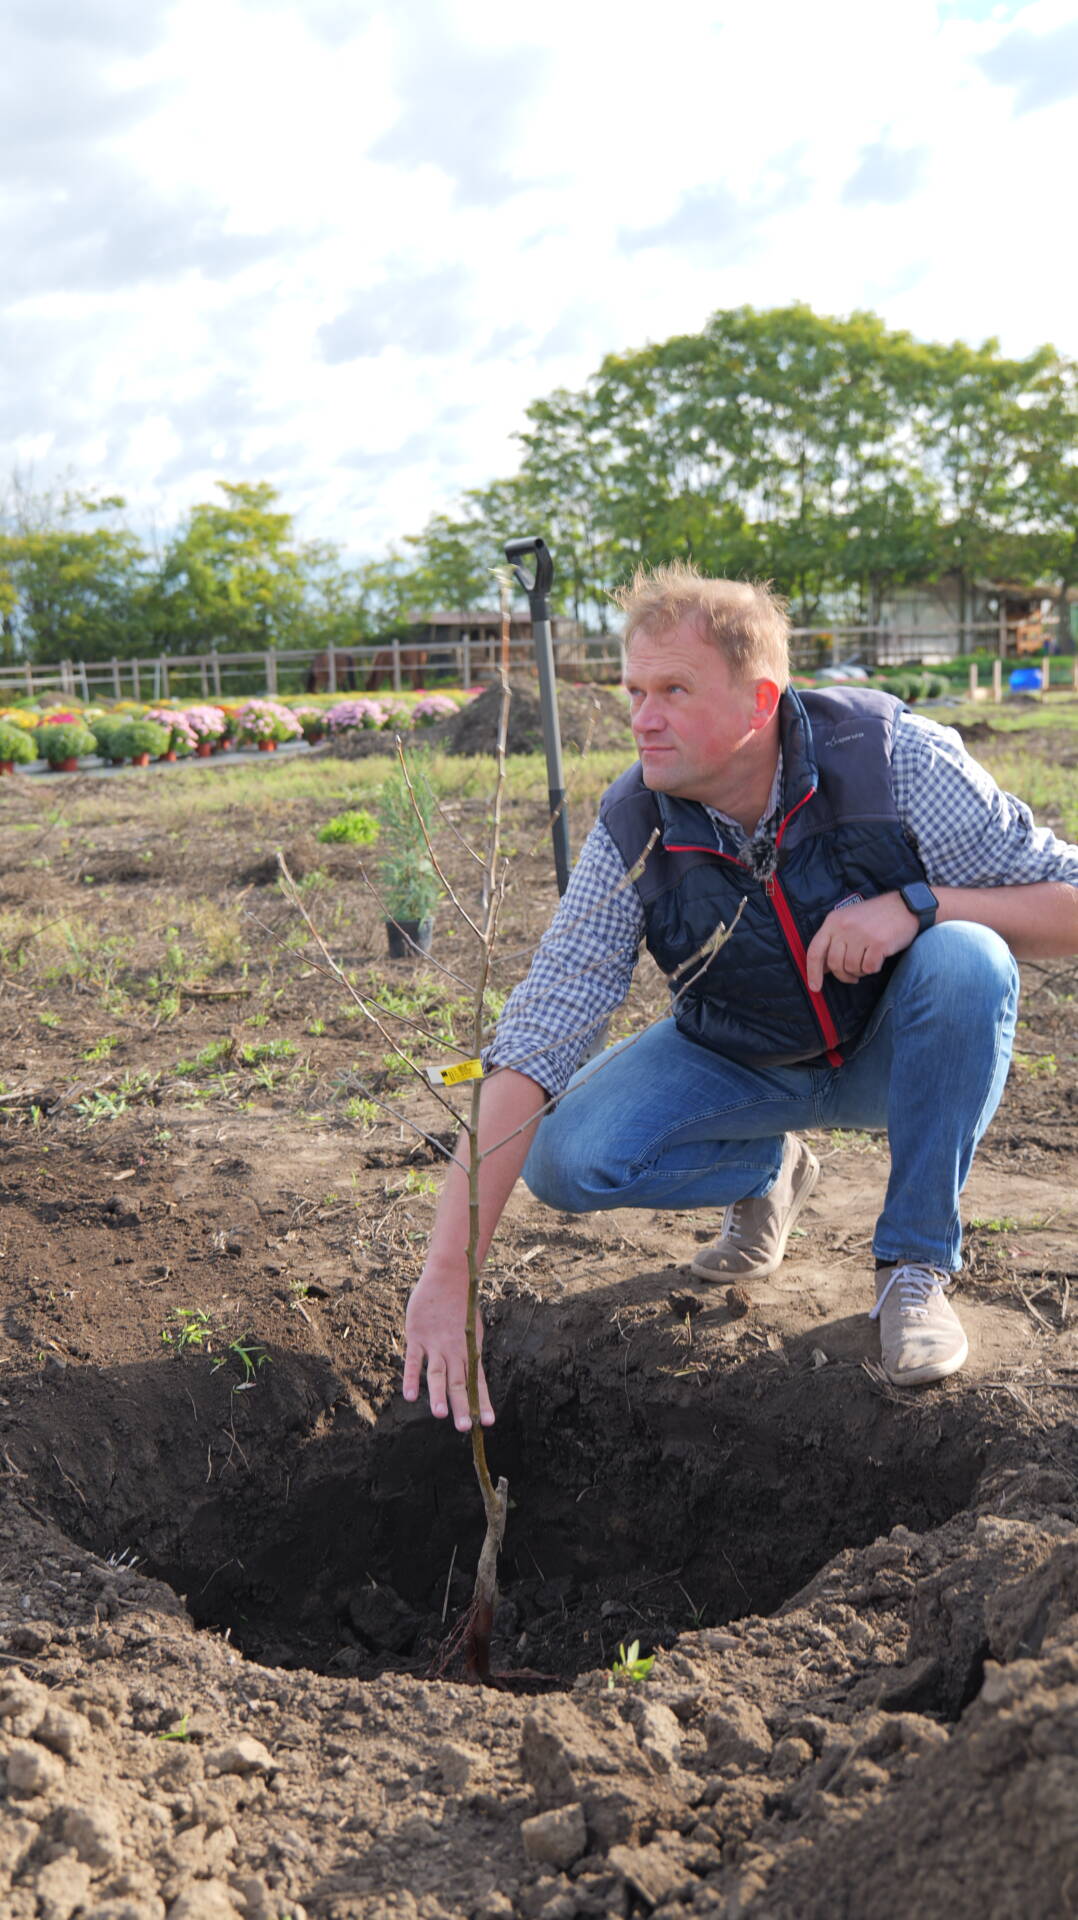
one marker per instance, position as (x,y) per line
(232,1556)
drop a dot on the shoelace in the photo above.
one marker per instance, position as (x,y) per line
(915,1286)
(731,1224)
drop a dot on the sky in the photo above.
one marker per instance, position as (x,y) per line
(340,245)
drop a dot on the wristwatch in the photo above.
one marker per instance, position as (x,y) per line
(921,902)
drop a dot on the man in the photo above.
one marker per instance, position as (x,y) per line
(886,887)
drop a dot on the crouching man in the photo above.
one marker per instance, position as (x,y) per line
(886,887)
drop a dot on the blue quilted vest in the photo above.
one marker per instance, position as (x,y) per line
(840,839)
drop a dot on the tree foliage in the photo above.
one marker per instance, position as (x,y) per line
(838,458)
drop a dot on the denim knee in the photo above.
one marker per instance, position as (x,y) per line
(965,963)
(552,1168)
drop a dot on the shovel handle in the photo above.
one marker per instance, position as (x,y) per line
(544,566)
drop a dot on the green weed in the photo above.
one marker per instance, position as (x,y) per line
(629,1665)
(103,1047)
(189,1327)
(100,1105)
(250,1358)
(259,1050)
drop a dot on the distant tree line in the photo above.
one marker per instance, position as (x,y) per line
(837,458)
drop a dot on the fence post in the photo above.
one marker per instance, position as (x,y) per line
(85,682)
(973,679)
(205,677)
(997,681)
(465,660)
(216,669)
(331,668)
(271,674)
(396,665)
(116,690)
(135,681)
(1046,674)
(29,678)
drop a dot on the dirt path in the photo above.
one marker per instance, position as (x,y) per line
(863,1603)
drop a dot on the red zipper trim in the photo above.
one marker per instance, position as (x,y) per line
(797,947)
(790,932)
(783,824)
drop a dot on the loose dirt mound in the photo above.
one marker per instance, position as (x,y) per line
(589,718)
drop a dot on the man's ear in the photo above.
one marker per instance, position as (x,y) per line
(766,703)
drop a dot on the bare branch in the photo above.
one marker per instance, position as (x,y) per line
(293,895)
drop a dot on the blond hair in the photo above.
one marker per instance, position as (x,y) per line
(743,619)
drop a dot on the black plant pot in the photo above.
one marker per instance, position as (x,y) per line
(408,937)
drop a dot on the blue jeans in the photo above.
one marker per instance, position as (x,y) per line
(664,1122)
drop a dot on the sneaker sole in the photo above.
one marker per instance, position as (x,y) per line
(937,1370)
(764,1273)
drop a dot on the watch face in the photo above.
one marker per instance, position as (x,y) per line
(920,898)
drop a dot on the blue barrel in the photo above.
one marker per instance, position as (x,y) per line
(1025,680)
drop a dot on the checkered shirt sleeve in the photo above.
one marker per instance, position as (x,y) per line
(969,833)
(580,974)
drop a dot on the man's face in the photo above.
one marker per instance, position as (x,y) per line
(697,729)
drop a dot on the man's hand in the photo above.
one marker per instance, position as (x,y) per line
(857,939)
(434,1332)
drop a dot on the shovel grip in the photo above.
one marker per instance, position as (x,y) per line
(544,565)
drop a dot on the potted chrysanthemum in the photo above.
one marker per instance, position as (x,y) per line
(62,741)
(181,738)
(139,741)
(350,716)
(208,726)
(264,723)
(16,746)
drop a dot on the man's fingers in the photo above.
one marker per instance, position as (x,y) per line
(458,1402)
(436,1386)
(486,1410)
(413,1371)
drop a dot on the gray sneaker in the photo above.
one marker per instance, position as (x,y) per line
(755,1232)
(921,1337)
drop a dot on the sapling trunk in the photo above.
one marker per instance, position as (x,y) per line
(495,1498)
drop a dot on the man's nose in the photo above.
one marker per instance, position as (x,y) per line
(648,717)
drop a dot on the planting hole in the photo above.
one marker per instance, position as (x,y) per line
(641,1505)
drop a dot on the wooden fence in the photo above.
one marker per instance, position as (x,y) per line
(399,663)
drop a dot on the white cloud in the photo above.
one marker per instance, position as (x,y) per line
(342,246)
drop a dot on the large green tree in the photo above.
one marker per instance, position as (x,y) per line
(73,583)
(232,576)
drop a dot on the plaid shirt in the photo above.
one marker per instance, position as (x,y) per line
(968,833)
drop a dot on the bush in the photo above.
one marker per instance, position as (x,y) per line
(139,736)
(63,740)
(355,829)
(17,743)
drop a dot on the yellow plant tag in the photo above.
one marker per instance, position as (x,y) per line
(450,1076)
